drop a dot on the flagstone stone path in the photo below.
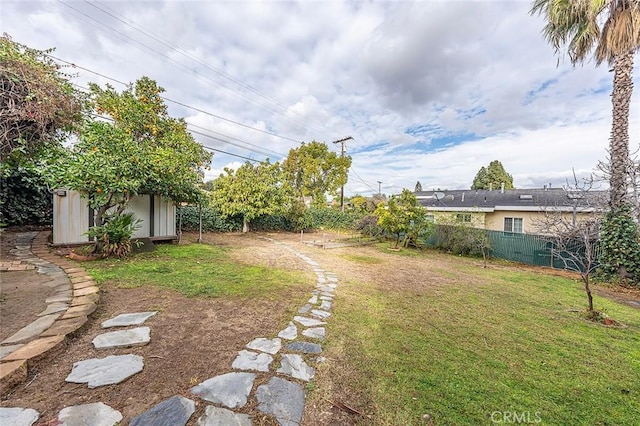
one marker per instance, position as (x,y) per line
(74,298)
(282,396)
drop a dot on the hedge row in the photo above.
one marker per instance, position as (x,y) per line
(313,218)
(25,199)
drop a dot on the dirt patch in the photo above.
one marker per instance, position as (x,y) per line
(22,297)
(193,339)
(22,294)
(627,296)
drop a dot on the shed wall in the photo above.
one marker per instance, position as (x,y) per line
(71,217)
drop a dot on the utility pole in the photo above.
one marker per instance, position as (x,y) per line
(342,141)
(379,183)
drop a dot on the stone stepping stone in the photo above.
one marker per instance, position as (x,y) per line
(329,298)
(247,360)
(95,414)
(308,322)
(294,366)
(60,297)
(315,333)
(270,346)
(304,347)
(32,330)
(16,416)
(320,314)
(6,350)
(174,411)
(306,308)
(289,333)
(58,282)
(216,416)
(125,320)
(313,300)
(326,305)
(230,390)
(53,308)
(282,399)
(105,371)
(326,289)
(138,336)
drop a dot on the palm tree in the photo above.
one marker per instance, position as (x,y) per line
(610,31)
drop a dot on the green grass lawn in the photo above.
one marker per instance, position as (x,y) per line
(196,270)
(487,344)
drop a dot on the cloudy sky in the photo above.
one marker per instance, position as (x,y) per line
(430,91)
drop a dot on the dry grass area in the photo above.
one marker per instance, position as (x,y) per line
(412,334)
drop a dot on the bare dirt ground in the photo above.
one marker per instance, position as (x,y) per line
(22,296)
(193,339)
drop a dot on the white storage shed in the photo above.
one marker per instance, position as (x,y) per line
(72,218)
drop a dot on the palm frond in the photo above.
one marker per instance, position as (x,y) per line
(621,31)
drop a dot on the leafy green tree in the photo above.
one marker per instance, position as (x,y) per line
(492,177)
(418,187)
(39,106)
(140,149)
(251,191)
(364,204)
(313,170)
(402,214)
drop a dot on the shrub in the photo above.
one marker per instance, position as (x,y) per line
(212,220)
(620,246)
(114,237)
(368,226)
(320,217)
(25,198)
(461,239)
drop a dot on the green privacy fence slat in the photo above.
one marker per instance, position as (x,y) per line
(526,248)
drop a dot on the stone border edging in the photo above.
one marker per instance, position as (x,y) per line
(84,298)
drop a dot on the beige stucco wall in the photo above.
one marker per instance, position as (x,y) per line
(444,218)
(494,221)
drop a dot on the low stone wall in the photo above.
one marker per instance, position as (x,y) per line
(76,298)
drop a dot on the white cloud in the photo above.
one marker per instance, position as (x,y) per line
(372,70)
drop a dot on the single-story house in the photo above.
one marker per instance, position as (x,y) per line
(72,218)
(508,210)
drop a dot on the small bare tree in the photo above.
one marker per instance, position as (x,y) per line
(574,237)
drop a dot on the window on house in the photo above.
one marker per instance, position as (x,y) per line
(430,218)
(513,224)
(463,217)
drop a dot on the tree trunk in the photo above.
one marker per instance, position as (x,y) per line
(619,141)
(587,289)
(245,225)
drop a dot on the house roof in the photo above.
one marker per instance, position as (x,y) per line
(510,199)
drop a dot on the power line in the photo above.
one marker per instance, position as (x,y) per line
(192,131)
(166,58)
(263,152)
(132,24)
(362,180)
(231,121)
(179,103)
(257,149)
